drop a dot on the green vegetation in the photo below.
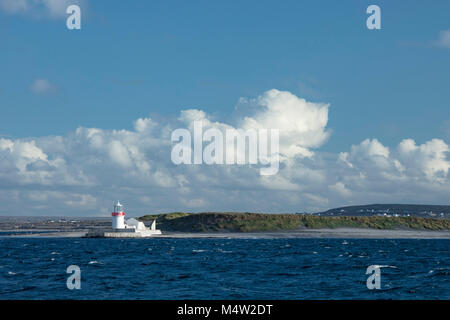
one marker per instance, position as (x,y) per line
(252,222)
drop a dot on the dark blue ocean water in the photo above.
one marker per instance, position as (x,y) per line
(35,268)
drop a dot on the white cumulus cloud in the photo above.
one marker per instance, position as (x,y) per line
(83,172)
(302,124)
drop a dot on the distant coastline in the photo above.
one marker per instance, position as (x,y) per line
(370,221)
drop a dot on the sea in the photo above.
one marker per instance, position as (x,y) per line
(187,268)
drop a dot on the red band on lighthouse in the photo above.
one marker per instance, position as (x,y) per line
(115,214)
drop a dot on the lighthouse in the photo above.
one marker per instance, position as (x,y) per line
(131,228)
(118,217)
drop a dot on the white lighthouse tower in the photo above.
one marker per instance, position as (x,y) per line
(118,217)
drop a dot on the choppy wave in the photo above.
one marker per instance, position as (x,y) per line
(224,268)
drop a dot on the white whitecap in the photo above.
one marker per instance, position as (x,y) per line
(224,251)
(384,266)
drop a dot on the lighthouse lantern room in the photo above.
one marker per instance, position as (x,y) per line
(118,217)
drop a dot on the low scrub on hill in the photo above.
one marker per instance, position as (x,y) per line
(251,222)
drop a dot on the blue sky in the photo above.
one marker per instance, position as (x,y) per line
(135,58)
(152,59)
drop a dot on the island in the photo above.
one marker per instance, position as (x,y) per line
(257,222)
(366,221)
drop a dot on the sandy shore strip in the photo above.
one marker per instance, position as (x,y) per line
(358,233)
(321,233)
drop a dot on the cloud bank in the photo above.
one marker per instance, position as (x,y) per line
(83,172)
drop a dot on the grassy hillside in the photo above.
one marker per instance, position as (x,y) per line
(249,222)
